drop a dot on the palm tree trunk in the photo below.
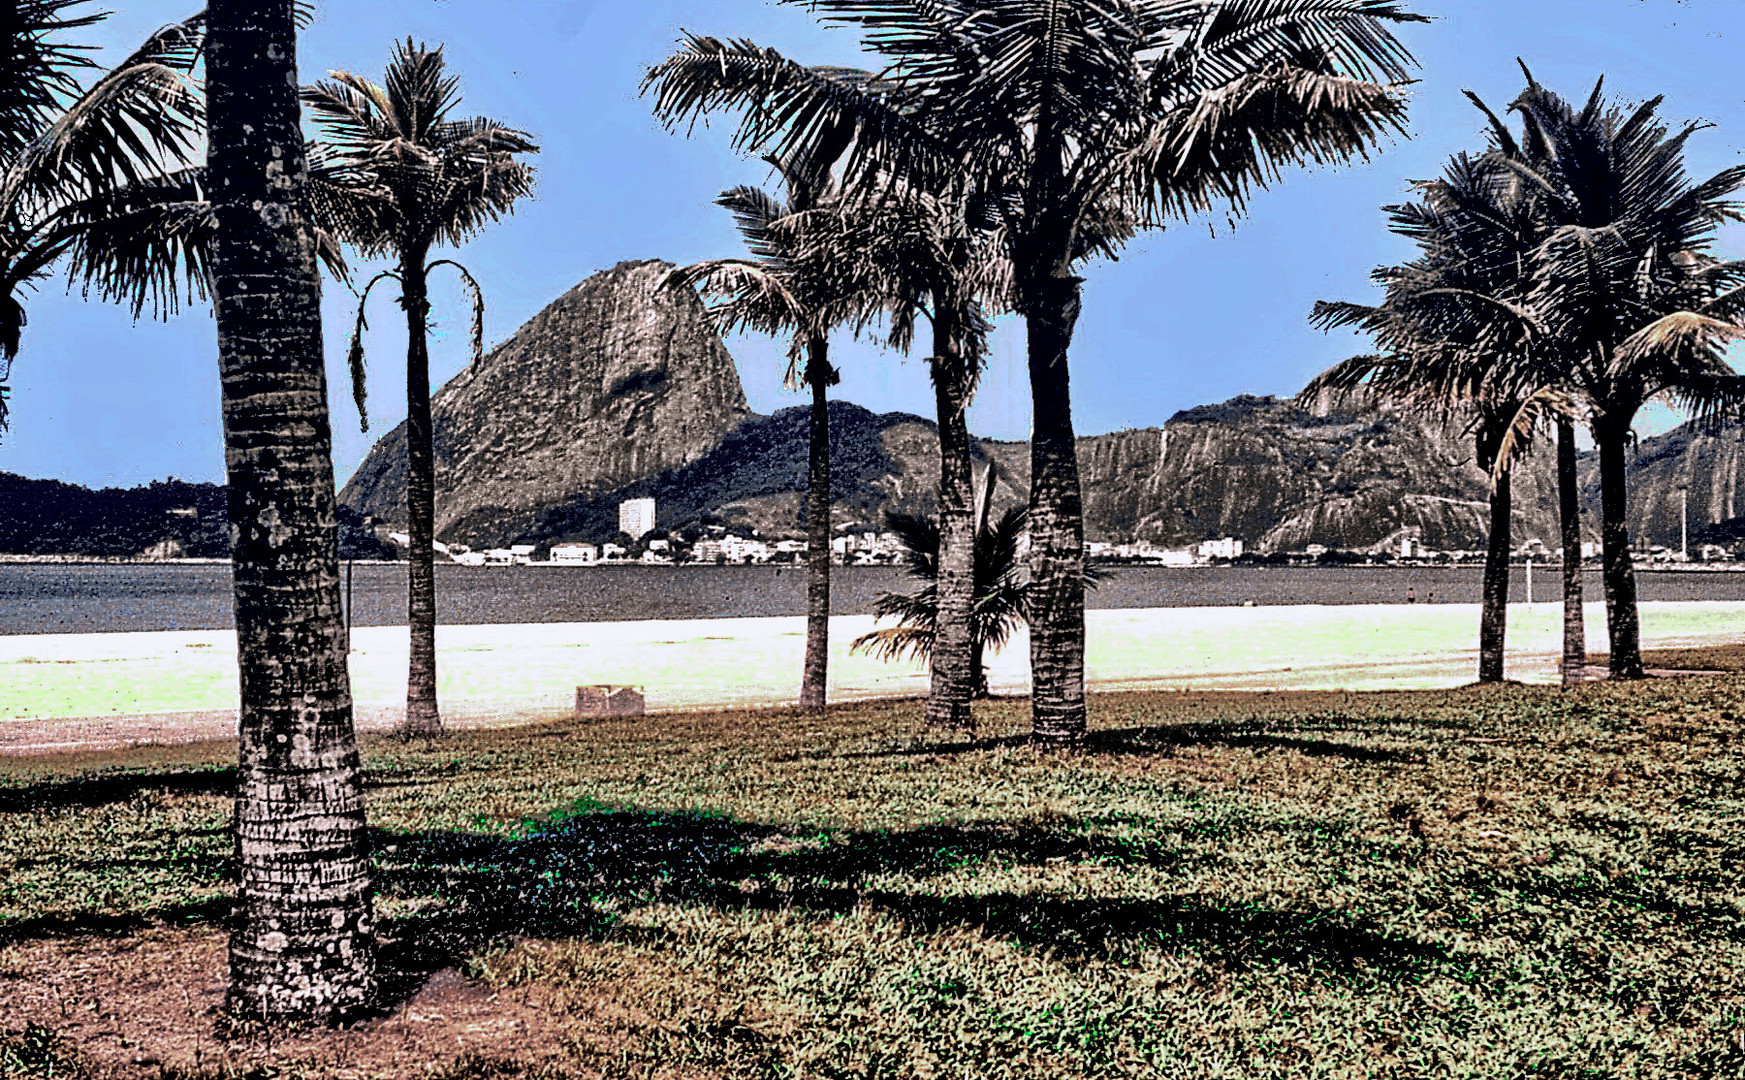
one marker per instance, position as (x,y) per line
(814,678)
(1055,605)
(422,714)
(953,672)
(1622,625)
(301,945)
(1569,521)
(1493,620)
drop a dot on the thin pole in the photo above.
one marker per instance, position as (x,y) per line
(1684,522)
(1529,579)
(348,605)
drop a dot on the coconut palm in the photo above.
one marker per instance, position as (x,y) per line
(302,944)
(97,178)
(401,176)
(774,293)
(1460,340)
(997,595)
(1628,284)
(920,256)
(1059,111)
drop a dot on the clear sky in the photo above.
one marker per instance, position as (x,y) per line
(1184,318)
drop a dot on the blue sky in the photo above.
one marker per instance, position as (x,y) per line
(1184,318)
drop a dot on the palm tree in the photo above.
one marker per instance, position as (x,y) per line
(997,596)
(302,945)
(97,178)
(772,293)
(1628,283)
(401,176)
(1459,339)
(1063,112)
(919,255)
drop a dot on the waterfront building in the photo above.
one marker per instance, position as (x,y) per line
(575,554)
(1229,547)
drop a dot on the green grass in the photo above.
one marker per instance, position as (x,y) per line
(1501,883)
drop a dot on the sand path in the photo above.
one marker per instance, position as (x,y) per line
(74,691)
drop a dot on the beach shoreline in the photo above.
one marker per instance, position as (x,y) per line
(84,689)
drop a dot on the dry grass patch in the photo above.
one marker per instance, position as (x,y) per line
(1499,883)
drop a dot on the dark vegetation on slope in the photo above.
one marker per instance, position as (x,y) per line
(49,517)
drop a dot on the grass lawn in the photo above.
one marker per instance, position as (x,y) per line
(1515,882)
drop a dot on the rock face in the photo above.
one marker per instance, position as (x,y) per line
(1281,478)
(1708,464)
(610,384)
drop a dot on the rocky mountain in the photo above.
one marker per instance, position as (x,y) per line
(616,391)
(1283,477)
(612,383)
(1693,464)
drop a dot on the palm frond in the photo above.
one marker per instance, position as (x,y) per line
(477,295)
(145,244)
(39,70)
(354,353)
(791,111)
(139,119)
(1219,147)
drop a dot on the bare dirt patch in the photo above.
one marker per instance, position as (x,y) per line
(150,1005)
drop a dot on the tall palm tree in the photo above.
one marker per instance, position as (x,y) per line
(774,293)
(1061,110)
(1629,285)
(97,178)
(1460,339)
(302,944)
(401,177)
(921,257)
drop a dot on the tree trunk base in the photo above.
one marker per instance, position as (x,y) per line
(420,724)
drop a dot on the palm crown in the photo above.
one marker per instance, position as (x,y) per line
(401,173)
(1626,275)
(1060,110)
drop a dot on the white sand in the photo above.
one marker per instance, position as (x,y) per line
(503,670)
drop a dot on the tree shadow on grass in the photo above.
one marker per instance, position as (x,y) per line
(104,789)
(1163,738)
(107,789)
(570,878)
(109,924)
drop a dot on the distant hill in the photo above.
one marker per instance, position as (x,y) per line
(48,517)
(613,382)
(756,480)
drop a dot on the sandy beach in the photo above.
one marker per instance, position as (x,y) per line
(114,688)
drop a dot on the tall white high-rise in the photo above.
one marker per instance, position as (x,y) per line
(636,517)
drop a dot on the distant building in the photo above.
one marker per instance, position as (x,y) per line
(636,517)
(1229,547)
(575,554)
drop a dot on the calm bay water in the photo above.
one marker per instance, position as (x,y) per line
(69,599)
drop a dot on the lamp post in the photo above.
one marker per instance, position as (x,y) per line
(1684,522)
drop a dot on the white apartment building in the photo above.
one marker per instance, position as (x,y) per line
(636,517)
